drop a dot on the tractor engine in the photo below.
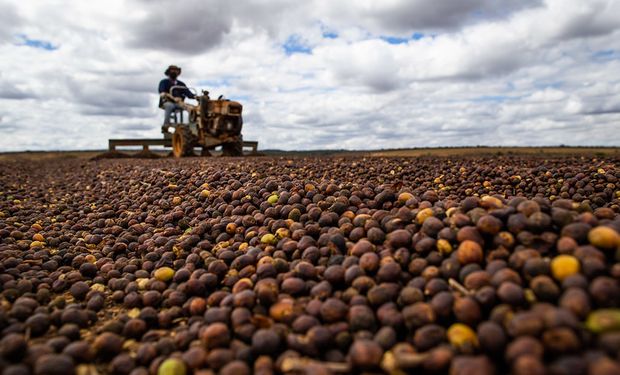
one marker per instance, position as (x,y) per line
(221,117)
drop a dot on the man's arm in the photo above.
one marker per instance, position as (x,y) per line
(186,92)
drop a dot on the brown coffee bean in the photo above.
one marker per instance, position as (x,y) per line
(365,354)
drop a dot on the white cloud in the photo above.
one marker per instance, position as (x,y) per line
(403,16)
(10,20)
(523,72)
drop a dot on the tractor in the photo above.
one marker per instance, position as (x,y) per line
(210,123)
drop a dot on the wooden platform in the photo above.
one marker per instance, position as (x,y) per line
(146,143)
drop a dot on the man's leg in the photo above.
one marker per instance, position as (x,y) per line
(169,107)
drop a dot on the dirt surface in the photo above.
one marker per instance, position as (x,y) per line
(414,152)
(477,151)
(338,264)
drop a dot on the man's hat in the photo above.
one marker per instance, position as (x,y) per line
(171,67)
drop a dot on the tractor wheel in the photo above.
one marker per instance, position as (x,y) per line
(182,143)
(232,149)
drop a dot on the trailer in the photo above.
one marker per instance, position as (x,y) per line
(250,146)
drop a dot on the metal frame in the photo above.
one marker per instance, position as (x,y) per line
(146,143)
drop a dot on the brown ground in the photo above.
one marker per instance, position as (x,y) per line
(499,150)
(60,212)
(412,152)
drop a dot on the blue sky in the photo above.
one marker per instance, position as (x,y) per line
(295,44)
(317,74)
(35,43)
(401,40)
(606,55)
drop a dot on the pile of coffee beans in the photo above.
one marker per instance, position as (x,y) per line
(327,265)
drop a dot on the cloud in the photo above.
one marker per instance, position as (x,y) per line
(10,20)
(317,74)
(192,27)
(369,63)
(136,127)
(112,111)
(9,90)
(600,17)
(6,125)
(405,16)
(100,97)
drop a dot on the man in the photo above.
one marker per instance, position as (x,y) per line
(167,104)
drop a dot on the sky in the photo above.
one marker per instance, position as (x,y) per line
(316,74)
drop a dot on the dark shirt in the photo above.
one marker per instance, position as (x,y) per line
(166,83)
